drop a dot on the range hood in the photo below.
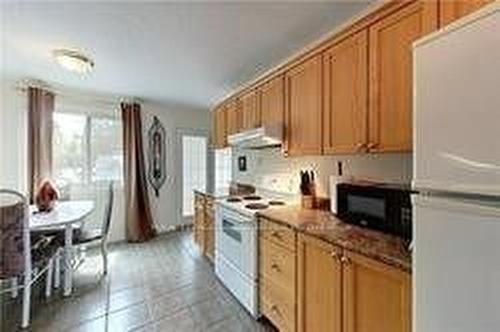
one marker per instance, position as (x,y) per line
(258,138)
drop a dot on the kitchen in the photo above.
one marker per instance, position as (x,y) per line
(250,166)
(302,264)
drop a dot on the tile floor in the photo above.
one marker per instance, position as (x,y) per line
(162,285)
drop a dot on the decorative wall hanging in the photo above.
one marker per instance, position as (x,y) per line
(157,173)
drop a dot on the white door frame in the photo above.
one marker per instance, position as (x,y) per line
(179,183)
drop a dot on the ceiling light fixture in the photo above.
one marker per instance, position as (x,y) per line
(73,61)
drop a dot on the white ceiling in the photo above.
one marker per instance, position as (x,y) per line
(183,53)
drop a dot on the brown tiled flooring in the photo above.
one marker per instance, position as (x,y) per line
(162,285)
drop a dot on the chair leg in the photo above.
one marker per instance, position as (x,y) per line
(57,270)
(104,252)
(26,300)
(15,288)
(48,285)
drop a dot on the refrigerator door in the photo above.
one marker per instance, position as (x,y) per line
(457,106)
(456,267)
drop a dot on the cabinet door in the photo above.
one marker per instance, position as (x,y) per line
(199,220)
(390,68)
(450,10)
(345,68)
(209,229)
(377,297)
(304,108)
(272,101)
(219,128)
(233,117)
(250,110)
(319,286)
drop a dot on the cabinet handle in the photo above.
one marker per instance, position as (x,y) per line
(372,146)
(360,146)
(334,255)
(274,308)
(345,260)
(276,235)
(275,267)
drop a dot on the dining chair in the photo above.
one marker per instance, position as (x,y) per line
(86,236)
(23,256)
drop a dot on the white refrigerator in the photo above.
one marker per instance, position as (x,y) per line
(456,257)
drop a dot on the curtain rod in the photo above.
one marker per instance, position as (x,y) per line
(74,94)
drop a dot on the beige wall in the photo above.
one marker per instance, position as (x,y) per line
(269,169)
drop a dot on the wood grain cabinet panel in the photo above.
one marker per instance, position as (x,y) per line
(390,69)
(451,10)
(272,101)
(377,297)
(319,286)
(303,129)
(220,128)
(250,110)
(233,116)
(346,95)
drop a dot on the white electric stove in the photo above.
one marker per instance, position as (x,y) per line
(236,244)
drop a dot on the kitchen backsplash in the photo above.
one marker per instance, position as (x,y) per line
(269,169)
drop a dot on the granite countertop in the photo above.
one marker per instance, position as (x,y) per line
(387,248)
(216,193)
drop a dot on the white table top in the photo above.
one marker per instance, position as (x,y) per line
(66,212)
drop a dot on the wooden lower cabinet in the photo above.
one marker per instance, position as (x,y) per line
(204,224)
(277,276)
(340,291)
(376,297)
(319,286)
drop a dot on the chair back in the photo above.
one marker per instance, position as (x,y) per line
(14,234)
(108,210)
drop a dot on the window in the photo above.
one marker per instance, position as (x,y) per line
(86,149)
(223,168)
(194,168)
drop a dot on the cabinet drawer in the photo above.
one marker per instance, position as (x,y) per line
(277,264)
(279,234)
(278,305)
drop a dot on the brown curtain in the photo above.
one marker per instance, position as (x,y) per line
(40,111)
(139,222)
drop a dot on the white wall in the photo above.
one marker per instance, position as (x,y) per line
(167,207)
(13,152)
(268,168)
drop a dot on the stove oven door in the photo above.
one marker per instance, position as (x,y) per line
(236,241)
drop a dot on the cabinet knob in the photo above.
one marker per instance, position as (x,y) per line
(275,267)
(345,260)
(334,254)
(276,235)
(275,309)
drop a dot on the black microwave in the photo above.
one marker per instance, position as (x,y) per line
(383,207)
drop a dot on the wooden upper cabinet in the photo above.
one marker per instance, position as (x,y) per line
(303,116)
(233,117)
(219,128)
(377,297)
(345,86)
(319,286)
(450,10)
(390,70)
(272,101)
(250,110)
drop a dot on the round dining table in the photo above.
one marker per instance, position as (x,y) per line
(65,215)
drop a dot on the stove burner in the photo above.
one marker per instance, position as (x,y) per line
(252,198)
(276,203)
(256,206)
(233,200)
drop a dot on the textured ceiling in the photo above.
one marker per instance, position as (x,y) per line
(180,53)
